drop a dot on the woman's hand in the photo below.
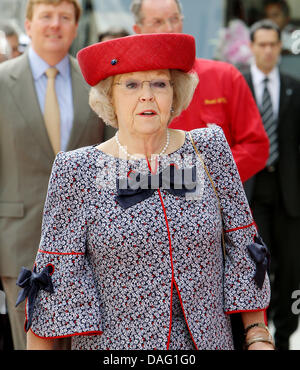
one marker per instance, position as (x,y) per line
(257,332)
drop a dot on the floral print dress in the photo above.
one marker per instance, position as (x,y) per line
(151,276)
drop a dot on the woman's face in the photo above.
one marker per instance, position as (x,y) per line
(143,101)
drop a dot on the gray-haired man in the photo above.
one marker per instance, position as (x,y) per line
(222,96)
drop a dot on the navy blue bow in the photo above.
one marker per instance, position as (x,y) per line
(138,187)
(261,255)
(32,282)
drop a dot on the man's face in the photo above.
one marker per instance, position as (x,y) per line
(266,49)
(275,13)
(52,28)
(159,16)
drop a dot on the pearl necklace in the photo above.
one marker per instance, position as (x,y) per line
(124,150)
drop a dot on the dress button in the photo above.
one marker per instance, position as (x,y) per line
(114,62)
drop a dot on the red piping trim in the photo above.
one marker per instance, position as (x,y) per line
(70,335)
(239,228)
(170,323)
(61,336)
(171,258)
(64,254)
(173,280)
(256,310)
(169,235)
(176,286)
(172,267)
(170,249)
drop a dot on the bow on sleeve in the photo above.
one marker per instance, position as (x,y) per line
(32,282)
(261,255)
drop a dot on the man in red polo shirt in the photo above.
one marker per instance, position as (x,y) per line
(222,96)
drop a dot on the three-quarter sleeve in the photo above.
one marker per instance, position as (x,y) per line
(242,292)
(73,308)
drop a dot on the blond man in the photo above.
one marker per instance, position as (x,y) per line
(39,117)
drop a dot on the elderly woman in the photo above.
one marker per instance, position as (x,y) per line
(131,254)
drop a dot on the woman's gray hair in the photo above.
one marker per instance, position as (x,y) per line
(136,6)
(184,85)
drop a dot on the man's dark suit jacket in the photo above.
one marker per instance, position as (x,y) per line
(289,144)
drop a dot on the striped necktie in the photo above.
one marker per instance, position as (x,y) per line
(51,112)
(270,124)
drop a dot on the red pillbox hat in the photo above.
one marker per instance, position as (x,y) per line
(143,52)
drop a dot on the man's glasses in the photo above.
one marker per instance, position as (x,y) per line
(158,85)
(159,22)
